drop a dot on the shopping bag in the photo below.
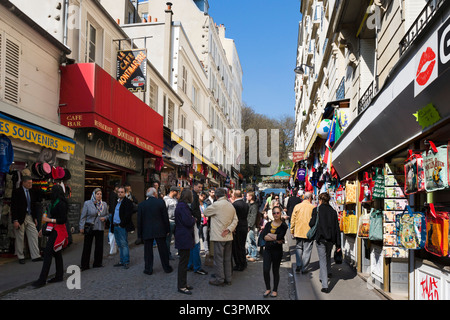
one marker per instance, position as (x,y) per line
(112,244)
(414,173)
(437,232)
(411,229)
(364,224)
(378,188)
(350,192)
(366,188)
(376,225)
(435,163)
(340,196)
(350,222)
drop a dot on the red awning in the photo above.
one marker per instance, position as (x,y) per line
(91,98)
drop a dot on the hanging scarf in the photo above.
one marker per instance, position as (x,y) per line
(98,204)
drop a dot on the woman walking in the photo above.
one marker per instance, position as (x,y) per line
(184,238)
(327,234)
(56,231)
(273,234)
(93,217)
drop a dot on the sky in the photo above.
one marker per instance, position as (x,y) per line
(265,33)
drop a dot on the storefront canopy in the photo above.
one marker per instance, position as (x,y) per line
(90,97)
(412,103)
(35,134)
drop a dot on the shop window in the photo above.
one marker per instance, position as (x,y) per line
(9,68)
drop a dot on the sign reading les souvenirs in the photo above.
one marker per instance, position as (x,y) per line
(132,69)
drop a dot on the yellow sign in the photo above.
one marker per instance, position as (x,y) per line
(35,135)
(188,147)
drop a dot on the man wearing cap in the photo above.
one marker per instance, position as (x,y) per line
(24,217)
(171,201)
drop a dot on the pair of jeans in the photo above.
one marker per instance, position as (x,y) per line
(121,236)
(169,237)
(194,258)
(252,247)
(324,252)
(303,249)
(272,258)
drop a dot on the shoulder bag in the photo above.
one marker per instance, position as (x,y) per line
(312,232)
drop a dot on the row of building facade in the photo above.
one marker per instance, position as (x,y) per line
(379,69)
(64,66)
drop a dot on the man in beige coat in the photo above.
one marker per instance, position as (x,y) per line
(223,222)
(301,215)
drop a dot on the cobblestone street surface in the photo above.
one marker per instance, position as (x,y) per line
(117,283)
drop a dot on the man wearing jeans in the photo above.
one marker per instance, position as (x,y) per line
(121,220)
(301,215)
(223,222)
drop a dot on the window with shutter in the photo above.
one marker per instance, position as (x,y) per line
(11,61)
(170,115)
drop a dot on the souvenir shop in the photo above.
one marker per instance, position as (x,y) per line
(393,167)
(28,149)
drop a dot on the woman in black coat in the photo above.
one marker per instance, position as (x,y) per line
(57,236)
(273,234)
(327,235)
(184,237)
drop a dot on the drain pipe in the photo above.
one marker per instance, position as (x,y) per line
(66,20)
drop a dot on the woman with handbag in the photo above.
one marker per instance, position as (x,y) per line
(273,235)
(327,234)
(92,225)
(55,229)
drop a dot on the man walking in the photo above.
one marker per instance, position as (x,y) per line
(301,216)
(153,224)
(24,217)
(171,201)
(121,222)
(240,237)
(223,222)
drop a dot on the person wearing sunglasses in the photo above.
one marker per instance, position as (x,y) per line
(273,234)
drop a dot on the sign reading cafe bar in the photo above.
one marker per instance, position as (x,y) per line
(132,69)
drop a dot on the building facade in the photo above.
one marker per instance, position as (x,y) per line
(368,76)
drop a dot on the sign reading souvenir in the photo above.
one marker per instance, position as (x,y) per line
(132,69)
(298,156)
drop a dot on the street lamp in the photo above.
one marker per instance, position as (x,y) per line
(301,71)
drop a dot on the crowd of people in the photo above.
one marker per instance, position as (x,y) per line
(233,227)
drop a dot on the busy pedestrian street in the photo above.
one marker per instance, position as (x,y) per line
(110,283)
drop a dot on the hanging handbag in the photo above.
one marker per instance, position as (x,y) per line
(437,232)
(350,222)
(338,256)
(411,229)
(435,163)
(364,224)
(312,232)
(376,225)
(366,188)
(340,196)
(89,227)
(414,173)
(350,192)
(378,188)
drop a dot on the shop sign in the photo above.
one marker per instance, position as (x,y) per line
(92,120)
(36,135)
(432,58)
(132,69)
(115,151)
(298,156)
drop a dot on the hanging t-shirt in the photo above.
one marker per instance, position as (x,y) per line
(6,153)
(301,173)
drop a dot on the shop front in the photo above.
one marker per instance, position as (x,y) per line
(116,134)
(393,161)
(36,147)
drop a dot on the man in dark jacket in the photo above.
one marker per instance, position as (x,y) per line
(240,237)
(121,222)
(153,224)
(24,217)
(293,200)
